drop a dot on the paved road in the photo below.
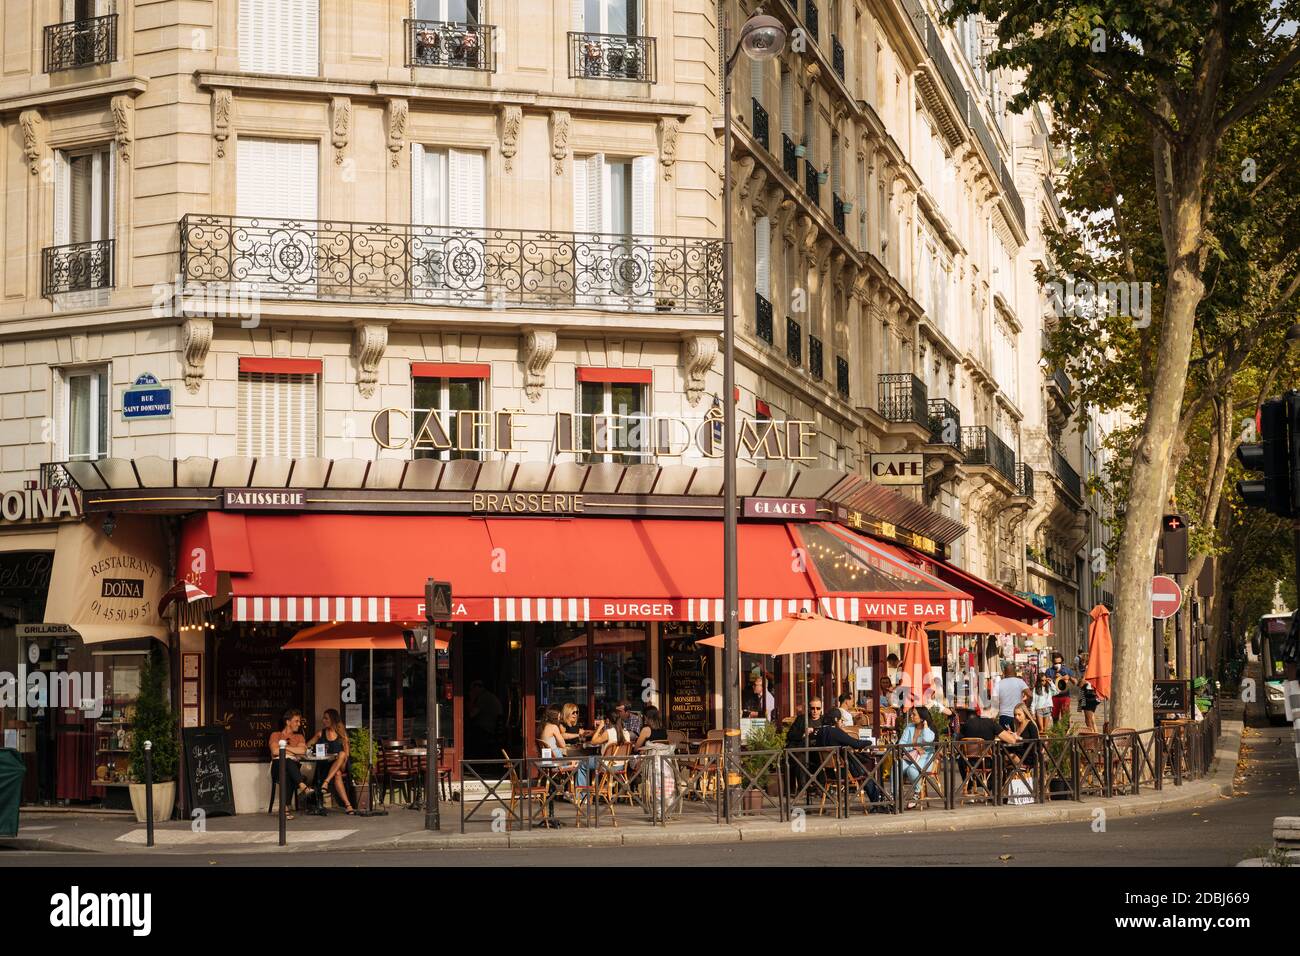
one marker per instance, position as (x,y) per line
(1219,834)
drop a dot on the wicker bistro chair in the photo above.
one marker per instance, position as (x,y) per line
(522,794)
(397,771)
(613,778)
(1091,749)
(703,772)
(977,763)
(1125,763)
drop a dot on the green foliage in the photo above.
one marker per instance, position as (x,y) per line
(155,721)
(767,737)
(939,721)
(1058,741)
(364,752)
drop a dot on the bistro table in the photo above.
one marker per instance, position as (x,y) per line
(321,765)
(417,800)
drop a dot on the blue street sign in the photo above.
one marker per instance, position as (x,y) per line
(147,400)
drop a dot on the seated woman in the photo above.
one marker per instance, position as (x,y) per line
(551,737)
(573,733)
(917,743)
(1025,729)
(295,749)
(652,728)
(887,704)
(335,737)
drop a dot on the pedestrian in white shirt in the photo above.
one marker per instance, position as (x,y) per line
(1009,695)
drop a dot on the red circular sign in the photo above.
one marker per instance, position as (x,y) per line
(1166,597)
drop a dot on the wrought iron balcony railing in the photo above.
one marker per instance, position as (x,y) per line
(810,18)
(945,423)
(837,55)
(811,182)
(760,124)
(452,266)
(1024,480)
(611,56)
(79,267)
(815,360)
(837,207)
(1067,475)
(789,159)
(903,398)
(793,341)
(78,43)
(54,475)
(459,46)
(982,447)
(763,317)
(1062,382)
(842,376)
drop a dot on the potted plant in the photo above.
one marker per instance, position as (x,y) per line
(362,762)
(154,721)
(801,150)
(761,740)
(1058,749)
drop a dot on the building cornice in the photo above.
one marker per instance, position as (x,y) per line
(68,95)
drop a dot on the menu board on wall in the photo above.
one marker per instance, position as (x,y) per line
(255,682)
(688,692)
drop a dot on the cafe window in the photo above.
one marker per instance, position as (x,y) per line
(613,414)
(562,668)
(620,663)
(459,389)
(278,407)
(85,420)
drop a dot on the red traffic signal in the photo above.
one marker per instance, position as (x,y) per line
(1274,456)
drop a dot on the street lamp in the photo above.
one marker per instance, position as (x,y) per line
(761,38)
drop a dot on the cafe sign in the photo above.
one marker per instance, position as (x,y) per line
(40,504)
(898,469)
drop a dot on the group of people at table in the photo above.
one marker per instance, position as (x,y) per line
(328,748)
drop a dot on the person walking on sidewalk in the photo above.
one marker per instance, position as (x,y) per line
(1061,677)
(1010,693)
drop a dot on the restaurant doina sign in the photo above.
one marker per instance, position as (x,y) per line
(40,504)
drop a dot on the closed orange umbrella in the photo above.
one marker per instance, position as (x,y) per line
(1099,651)
(804,634)
(916,662)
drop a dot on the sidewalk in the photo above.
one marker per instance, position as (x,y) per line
(404,829)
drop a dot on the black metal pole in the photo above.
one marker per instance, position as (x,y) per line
(148,792)
(730,578)
(284,791)
(431,818)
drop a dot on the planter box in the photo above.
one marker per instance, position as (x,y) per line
(164,801)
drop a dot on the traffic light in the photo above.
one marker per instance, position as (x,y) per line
(1173,544)
(1273,455)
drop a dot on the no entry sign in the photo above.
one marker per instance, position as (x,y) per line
(1166,597)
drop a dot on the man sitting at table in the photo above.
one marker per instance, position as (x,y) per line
(295,749)
(970,725)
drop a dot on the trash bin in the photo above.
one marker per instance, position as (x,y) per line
(12,771)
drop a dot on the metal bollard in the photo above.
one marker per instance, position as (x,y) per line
(148,792)
(284,791)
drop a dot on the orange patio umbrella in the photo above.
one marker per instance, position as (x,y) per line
(1099,651)
(987,624)
(359,636)
(804,633)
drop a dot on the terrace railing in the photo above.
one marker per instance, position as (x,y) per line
(611,56)
(457,46)
(77,267)
(78,43)
(983,447)
(903,398)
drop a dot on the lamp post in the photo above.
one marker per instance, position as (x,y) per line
(761,38)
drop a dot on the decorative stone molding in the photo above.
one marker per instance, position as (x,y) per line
(222,104)
(744,166)
(538,348)
(196,339)
(398,112)
(120,106)
(512,117)
(668,130)
(369,340)
(340,120)
(698,353)
(559,140)
(756,188)
(33,124)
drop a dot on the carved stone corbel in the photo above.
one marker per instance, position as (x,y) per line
(757,188)
(512,117)
(538,348)
(397,112)
(822,253)
(196,339)
(785,219)
(698,353)
(222,103)
(340,121)
(369,340)
(560,122)
(33,124)
(668,130)
(120,107)
(744,166)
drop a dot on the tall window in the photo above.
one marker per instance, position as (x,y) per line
(613,422)
(445,397)
(787,103)
(446,11)
(448,195)
(85,419)
(763,257)
(279,36)
(278,402)
(83,195)
(810,129)
(613,214)
(615,17)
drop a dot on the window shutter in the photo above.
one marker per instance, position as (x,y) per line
(277,414)
(465,174)
(763,257)
(579,16)
(62,189)
(280,36)
(417,185)
(305,47)
(643,195)
(787,104)
(590,182)
(756,80)
(276,179)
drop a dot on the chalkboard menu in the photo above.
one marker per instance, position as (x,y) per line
(688,693)
(207,771)
(1170,697)
(255,682)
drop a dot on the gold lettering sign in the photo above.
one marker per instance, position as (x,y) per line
(526,503)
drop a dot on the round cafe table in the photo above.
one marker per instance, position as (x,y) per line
(417,801)
(322,765)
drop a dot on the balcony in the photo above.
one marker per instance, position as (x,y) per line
(789,159)
(837,55)
(1024,481)
(945,423)
(1067,476)
(1062,383)
(611,56)
(79,267)
(54,475)
(763,317)
(815,363)
(842,377)
(837,207)
(810,18)
(78,43)
(458,46)
(793,341)
(811,181)
(452,266)
(982,447)
(903,399)
(760,124)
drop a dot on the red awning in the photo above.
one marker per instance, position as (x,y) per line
(988,597)
(341,567)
